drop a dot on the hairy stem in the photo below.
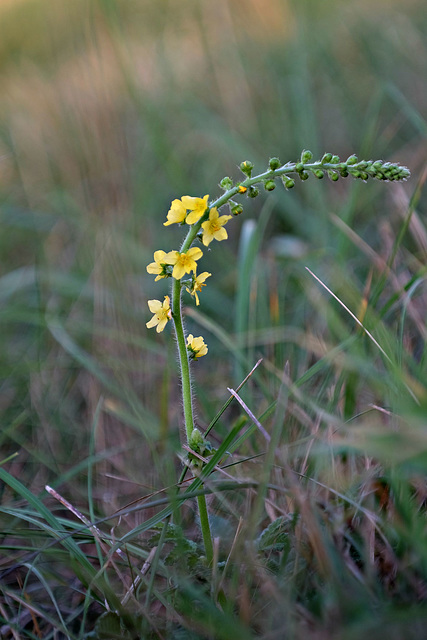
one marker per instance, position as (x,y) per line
(188,406)
(187,399)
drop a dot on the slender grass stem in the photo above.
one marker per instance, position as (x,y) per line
(205,527)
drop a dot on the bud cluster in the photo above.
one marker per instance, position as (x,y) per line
(361,169)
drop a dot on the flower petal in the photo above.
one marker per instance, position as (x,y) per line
(152,323)
(162,324)
(178,271)
(221,234)
(171,257)
(153,268)
(154,305)
(195,253)
(159,255)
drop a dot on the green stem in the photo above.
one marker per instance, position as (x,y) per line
(289,167)
(187,399)
(188,406)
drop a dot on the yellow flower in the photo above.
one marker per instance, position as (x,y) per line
(197,206)
(196,347)
(183,262)
(197,285)
(214,227)
(159,266)
(176,213)
(162,313)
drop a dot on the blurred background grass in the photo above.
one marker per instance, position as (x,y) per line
(108,111)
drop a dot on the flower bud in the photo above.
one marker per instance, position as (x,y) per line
(237,209)
(351,160)
(246,167)
(299,167)
(343,172)
(274,163)
(335,159)
(327,157)
(253,192)
(306,156)
(269,185)
(303,175)
(288,182)
(226,183)
(333,175)
(195,439)
(318,173)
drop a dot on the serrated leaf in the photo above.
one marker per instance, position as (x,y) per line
(275,536)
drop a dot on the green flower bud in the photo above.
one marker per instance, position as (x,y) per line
(226,183)
(195,439)
(303,175)
(364,175)
(274,163)
(288,182)
(253,192)
(269,185)
(351,159)
(299,167)
(306,156)
(334,176)
(237,209)
(343,172)
(335,159)
(318,173)
(246,167)
(326,158)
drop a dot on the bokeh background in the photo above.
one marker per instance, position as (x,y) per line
(110,109)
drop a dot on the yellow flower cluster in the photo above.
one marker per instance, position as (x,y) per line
(175,264)
(196,207)
(190,210)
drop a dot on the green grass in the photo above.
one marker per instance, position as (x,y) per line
(109,111)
